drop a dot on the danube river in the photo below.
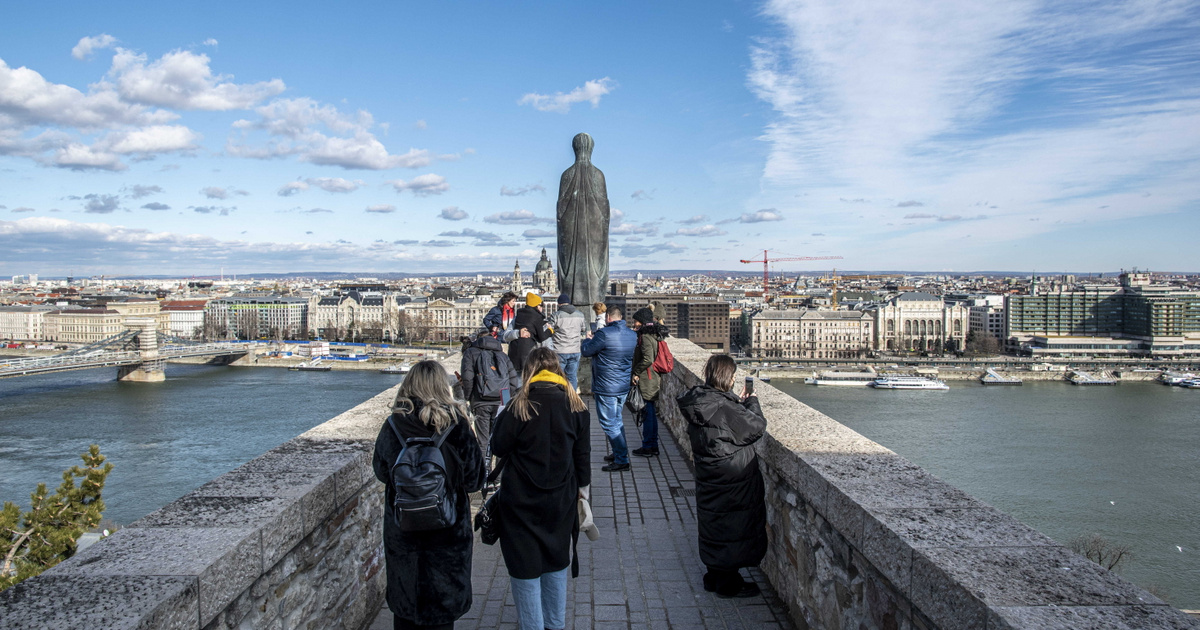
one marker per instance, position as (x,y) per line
(164,439)
(1120,461)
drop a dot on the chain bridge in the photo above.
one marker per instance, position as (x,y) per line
(138,354)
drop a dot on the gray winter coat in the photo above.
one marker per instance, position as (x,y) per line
(570,327)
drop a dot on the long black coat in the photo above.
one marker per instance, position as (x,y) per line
(731,509)
(547,461)
(429,573)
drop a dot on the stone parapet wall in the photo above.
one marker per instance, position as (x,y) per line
(862,538)
(291,539)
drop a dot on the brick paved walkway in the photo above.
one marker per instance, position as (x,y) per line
(644,571)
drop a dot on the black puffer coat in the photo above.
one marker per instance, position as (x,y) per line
(547,460)
(731,508)
(429,573)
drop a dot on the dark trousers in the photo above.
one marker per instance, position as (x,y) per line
(404,624)
(724,579)
(485,412)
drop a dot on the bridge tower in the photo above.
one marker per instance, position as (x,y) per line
(150,370)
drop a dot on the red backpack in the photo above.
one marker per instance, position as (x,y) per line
(664,361)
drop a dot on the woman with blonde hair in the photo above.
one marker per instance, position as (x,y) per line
(543,439)
(599,309)
(429,571)
(731,508)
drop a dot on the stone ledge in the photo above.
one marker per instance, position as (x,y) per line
(211,552)
(118,602)
(863,537)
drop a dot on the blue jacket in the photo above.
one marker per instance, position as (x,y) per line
(613,347)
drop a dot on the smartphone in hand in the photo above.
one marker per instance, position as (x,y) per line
(749,389)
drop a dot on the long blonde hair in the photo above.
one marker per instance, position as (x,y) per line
(428,382)
(541,359)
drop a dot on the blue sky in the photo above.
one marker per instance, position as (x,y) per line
(388,137)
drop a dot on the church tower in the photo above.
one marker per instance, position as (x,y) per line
(518,286)
(544,278)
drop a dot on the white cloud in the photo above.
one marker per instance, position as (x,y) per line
(382,208)
(642,195)
(221,210)
(699,218)
(216,192)
(154,205)
(101,204)
(505,191)
(536,233)
(183,80)
(151,140)
(320,134)
(23,209)
(704,230)
(87,45)
(335,184)
(759,216)
(28,99)
(291,188)
(453,213)
(80,157)
(1063,112)
(561,102)
(516,217)
(211,42)
(633,228)
(137,191)
(422,185)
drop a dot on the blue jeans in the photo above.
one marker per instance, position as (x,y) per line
(569,363)
(542,601)
(649,427)
(608,412)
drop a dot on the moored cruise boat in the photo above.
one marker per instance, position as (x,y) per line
(1176,378)
(842,379)
(908,382)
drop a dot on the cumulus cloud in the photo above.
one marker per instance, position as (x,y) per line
(633,228)
(22,209)
(521,190)
(291,188)
(482,238)
(760,216)
(909,204)
(183,80)
(221,210)
(154,205)
(382,208)
(641,251)
(703,230)
(516,217)
(641,195)
(536,233)
(88,45)
(101,204)
(561,102)
(453,213)
(697,219)
(439,243)
(211,42)
(26,98)
(321,134)
(216,192)
(137,191)
(422,185)
(318,211)
(335,184)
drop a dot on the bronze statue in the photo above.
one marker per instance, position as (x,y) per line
(583,216)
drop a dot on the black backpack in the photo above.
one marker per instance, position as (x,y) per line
(424,499)
(491,380)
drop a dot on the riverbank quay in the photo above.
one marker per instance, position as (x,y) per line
(860,538)
(953,373)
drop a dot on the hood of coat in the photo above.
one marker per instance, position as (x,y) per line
(488,342)
(567,308)
(410,424)
(658,331)
(702,402)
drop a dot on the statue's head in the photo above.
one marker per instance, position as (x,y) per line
(582,143)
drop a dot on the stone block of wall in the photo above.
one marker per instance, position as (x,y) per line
(862,538)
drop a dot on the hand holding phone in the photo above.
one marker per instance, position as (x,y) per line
(748,388)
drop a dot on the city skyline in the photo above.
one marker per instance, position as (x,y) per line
(947,136)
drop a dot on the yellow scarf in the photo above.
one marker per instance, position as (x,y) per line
(549,377)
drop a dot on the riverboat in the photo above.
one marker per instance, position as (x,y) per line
(842,379)
(1176,378)
(396,369)
(311,366)
(1191,383)
(908,382)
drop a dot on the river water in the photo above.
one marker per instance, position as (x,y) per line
(164,439)
(1119,461)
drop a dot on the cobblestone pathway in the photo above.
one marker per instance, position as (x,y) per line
(643,572)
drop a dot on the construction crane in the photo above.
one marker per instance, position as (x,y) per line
(766,261)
